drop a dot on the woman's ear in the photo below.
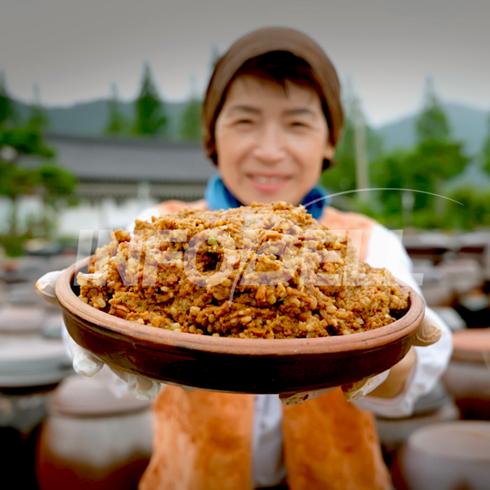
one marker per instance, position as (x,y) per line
(329,151)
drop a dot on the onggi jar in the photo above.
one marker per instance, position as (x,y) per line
(92,439)
(467,377)
(31,367)
(448,456)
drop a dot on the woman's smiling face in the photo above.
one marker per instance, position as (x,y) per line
(271,142)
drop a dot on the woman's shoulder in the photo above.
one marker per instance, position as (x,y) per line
(167,207)
(174,206)
(358,226)
(343,220)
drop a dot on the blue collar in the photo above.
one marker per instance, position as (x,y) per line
(219,197)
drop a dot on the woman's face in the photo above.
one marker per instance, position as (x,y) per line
(271,143)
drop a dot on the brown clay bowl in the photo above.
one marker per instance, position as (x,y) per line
(235,365)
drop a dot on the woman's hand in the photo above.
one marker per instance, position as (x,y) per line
(353,391)
(388,384)
(427,333)
(87,364)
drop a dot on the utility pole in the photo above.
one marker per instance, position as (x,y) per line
(362,170)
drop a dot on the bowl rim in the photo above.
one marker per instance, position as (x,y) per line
(163,338)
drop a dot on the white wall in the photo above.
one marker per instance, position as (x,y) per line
(86,216)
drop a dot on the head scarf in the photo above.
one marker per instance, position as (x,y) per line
(258,43)
(218,196)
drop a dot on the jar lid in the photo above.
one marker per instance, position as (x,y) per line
(53,326)
(21,319)
(79,396)
(475,300)
(472,345)
(32,361)
(432,401)
(458,440)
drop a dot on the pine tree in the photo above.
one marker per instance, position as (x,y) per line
(437,157)
(38,119)
(190,120)
(485,153)
(17,141)
(434,160)
(117,123)
(18,138)
(342,177)
(150,110)
(215,57)
(432,123)
(6,104)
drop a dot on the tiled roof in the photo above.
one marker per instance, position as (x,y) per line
(128,159)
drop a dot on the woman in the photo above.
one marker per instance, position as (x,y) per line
(271,120)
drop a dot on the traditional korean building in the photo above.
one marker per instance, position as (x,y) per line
(120,177)
(127,168)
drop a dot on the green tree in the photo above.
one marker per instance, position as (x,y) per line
(14,183)
(424,169)
(190,120)
(116,123)
(23,140)
(52,183)
(38,118)
(388,172)
(17,180)
(474,212)
(485,152)
(437,156)
(6,104)
(432,123)
(150,110)
(56,187)
(342,177)
(430,165)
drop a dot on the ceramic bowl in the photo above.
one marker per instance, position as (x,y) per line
(448,456)
(258,366)
(467,377)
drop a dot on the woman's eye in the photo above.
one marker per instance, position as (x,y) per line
(244,121)
(298,124)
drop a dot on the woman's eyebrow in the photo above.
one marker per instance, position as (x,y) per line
(245,108)
(299,111)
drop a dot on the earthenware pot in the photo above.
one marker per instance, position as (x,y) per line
(467,378)
(448,456)
(429,409)
(233,364)
(31,367)
(92,439)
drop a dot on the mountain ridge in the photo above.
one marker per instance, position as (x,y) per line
(469,124)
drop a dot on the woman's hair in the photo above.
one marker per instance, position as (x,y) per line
(277,55)
(279,67)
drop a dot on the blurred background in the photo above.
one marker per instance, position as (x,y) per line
(100,106)
(99,119)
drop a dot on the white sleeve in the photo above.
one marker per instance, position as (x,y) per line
(386,250)
(268,467)
(105,376)
(145,215)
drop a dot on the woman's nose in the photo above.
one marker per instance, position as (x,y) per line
(270,145)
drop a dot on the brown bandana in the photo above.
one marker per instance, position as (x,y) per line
(258,43)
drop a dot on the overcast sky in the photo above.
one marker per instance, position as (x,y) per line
(74,49)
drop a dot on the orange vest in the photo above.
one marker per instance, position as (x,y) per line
(203,440)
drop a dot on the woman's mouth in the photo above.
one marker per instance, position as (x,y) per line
(268,183)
